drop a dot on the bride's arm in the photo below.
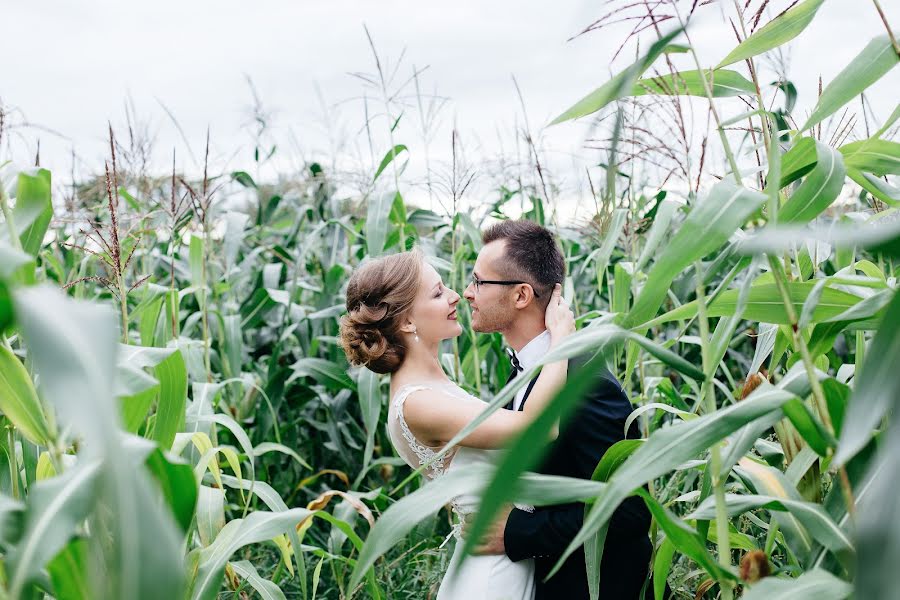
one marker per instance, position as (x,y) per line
(436,417)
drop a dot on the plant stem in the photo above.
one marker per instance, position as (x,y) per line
(123,305)
(799,342)
(887,26)
(764,120)
(13,462)
(204,314)
(771,536)
(712,106)
(8,217)
(781,277)
(708,397)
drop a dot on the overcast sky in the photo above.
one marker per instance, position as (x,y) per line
(69,66)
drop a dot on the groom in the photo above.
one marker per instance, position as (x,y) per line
(512,280)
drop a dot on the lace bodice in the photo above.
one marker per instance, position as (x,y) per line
(414,452)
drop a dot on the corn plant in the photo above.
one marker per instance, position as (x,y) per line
(180,421)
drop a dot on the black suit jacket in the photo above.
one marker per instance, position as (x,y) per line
(597,424)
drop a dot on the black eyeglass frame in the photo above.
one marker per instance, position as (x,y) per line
(478,282)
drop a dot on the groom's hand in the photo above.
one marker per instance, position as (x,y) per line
(492,539)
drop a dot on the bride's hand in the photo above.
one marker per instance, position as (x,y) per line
(559,318)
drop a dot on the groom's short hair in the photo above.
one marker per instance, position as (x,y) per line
(532,251)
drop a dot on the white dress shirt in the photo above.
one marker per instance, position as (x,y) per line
(528,357)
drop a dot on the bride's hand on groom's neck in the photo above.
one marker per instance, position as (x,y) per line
(558,318)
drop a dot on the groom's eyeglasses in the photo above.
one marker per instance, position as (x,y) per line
(479,282)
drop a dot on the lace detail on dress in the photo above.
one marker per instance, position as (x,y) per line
(424,453)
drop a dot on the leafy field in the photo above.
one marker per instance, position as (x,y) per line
(180,421)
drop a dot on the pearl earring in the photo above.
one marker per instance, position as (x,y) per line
(416,339)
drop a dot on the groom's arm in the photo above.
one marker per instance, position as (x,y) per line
(597,426)
(547,532)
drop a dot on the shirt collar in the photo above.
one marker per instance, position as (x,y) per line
(534,350)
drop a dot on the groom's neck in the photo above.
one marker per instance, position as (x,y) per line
(523,331)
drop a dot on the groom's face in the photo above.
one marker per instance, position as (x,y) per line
(492,305)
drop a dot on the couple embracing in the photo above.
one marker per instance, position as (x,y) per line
(399,311)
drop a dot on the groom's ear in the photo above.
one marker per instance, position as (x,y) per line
(524,296)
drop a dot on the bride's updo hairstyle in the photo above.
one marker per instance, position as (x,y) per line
(379,295)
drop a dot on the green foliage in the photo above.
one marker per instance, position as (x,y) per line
(205,434)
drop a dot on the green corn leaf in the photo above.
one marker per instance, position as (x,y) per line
(881,234)
(885,192)
(812,585)
(819,190)
(709,225)
(266,447)
(399,519)
(272,500)
(877,520)
(686,539)
(388,159)
(172,375)
(619,86)
(55,508)
(11,260)
(323,371)
(210,513)
(258,526)
(257,306)
(33,209)
(176,481)
(870,65)
(195,258)
(658,230)
(662,565)
(724,83)
(764,304)
(809,427)
(370,402)
(69,572)
(894,116)
(778,31)
(666,449)
(768,481)
(810,515)
(143,556)
(798,161)
(378,222)
(614,457)
(877,388)
(266,589)
(879,157)
(19,400)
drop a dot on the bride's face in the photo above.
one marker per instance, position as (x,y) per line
(434,310)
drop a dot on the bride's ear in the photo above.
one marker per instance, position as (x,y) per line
(408,327)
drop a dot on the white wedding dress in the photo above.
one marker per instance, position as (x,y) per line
(489,577)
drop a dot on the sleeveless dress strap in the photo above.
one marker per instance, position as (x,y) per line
(425,454)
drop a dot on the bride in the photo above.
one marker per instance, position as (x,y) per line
(398,312)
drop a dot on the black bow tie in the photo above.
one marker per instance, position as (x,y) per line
(514,360)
